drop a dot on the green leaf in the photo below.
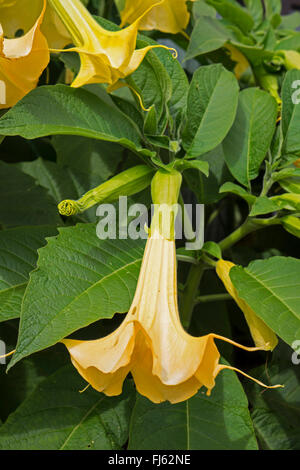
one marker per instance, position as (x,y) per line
(291,21)
(200,165)
(208,35)
(273,7)
(207,189)
(179,80)
(210,111)
(289,201)
(57,417)
(212,249)
(80,279)
(291,225)
(88,156)
(249,139)
(292,185)
(238,190)
(218,422)
(64,110)
(23,202)
(276,414)
(152,82)
(233,13)
(263,205)
(271,288)
(18,257)
(291,113)
(200,8)
(256,10)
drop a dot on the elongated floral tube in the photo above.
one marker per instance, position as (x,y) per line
(22,61)
(106,56)
(128,182)
(165,361)
(263,337)
(168,16)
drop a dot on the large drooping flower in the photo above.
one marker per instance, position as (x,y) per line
(263,337)
(106,56)
(18,16)
(168,16)
(22,60)
(164,360)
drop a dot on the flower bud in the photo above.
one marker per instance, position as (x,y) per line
(127,183)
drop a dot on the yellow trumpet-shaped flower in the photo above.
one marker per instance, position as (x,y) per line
(19,16)
(168,16)
(262,335)
(22,60)
(106,56)
(164,360)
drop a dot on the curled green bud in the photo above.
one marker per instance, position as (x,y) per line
(127,183)
(68,207)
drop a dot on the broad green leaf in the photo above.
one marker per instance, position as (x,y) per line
(23,201)
(276,414)
(57,417)
(64,110)
(207,188)
(23,379)
(291,113)
(273,7)
(221,421)
(80,279)
(210,111)
(88,156)
(289,43)
(179,80)
(18,257)
(292,185)
(152,82)
(249,139)
(234,13)
(200,165)
(291,225)
(256,10)
(213,249)
(64,182)
(238,190)
(291,21)
(208,35)
(271,288)
(263,205)
(201,8)
(288,201)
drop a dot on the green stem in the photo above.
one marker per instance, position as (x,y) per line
(249,226)
(212,298)
(190,293)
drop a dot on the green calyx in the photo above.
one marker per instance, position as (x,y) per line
(165,189)
(127,183)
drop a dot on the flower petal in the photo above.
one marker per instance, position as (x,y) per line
(167,16)
(262,335)
(22,61)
